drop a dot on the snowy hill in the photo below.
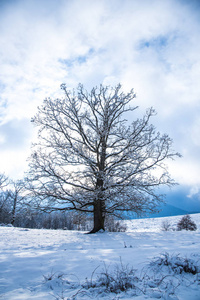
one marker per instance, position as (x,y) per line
(155,224)
(54,264)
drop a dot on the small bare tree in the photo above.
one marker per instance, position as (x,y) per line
(4,198)
(4,181)
(17,197)
(89,158)
(165,226)
(11,198)
(186,223)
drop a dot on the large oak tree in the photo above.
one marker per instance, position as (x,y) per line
(89,158)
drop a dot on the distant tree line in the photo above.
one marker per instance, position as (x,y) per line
(15,209)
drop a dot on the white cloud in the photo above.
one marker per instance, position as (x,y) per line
(152,46)
(193,191)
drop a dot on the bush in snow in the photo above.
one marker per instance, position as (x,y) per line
(121,279)
(186,223)
(176,264)
(6,225)
(113,225)
(167,273)
(165,226)
(162,277)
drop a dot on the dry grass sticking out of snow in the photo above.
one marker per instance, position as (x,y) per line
(145,261)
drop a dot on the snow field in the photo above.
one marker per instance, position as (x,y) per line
(38,263)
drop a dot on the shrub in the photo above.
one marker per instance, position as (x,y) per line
(159,280)
(186,223)
(166,226)
(121,279)
(113,225)
(176,264)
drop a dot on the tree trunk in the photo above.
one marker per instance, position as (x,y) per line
(99,216)
(14,210)
(99,204)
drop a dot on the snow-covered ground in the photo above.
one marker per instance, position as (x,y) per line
(54,264)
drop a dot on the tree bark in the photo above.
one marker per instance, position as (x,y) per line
(99,204)
(99,208)
(99,216)
(14,209)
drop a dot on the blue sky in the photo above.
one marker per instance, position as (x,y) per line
(151,46)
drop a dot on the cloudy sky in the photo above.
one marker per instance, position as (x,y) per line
(151,46)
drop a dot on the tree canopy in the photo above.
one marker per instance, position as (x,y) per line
(91,159)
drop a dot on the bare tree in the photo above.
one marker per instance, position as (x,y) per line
(12,198)
(4,198)
(4,181)
(186,223)
(17,197)
(89,158)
